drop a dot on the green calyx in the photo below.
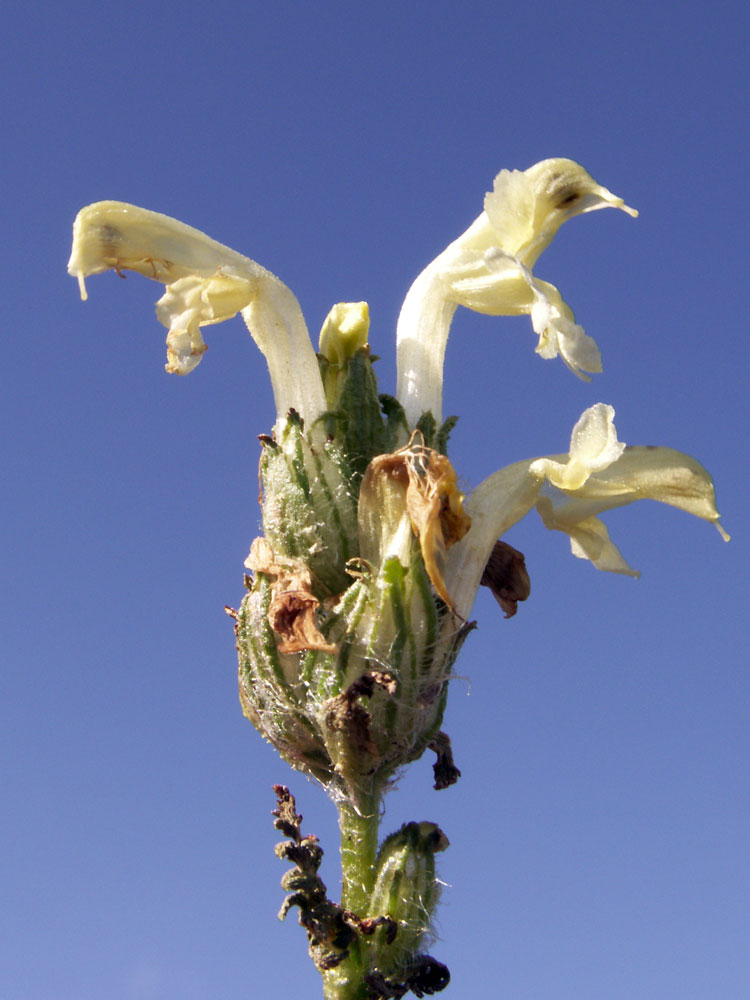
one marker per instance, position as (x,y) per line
(352,717)
(345,646)
(309,509)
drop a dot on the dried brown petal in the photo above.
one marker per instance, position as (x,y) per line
(506,576)
(345,714)
(445,771)
(431,498)
(291,613)
(435,509)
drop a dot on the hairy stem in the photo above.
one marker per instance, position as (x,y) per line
(359,845)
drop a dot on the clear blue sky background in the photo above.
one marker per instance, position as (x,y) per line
(600,831)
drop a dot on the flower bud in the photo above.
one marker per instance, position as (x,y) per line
(344,331)
(354,415)
(407,890)
(344,357)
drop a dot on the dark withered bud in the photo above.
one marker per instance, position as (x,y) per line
(507,577)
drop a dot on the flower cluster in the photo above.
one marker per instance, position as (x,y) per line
(488,269)
(362,585)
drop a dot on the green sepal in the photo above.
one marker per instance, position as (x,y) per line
(436,437)
(397,429)
(444,432)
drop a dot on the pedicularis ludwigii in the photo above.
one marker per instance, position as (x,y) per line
(360,590)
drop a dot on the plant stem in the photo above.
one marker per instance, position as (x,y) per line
(359,845)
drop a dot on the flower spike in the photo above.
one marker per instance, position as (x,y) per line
(361,585)
(488,270)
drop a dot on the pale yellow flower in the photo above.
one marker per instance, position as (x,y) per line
(206,282)
(569,492)
(488,270)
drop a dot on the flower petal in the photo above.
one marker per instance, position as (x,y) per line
(507,577)
(648,473)
(344,331)
(291,613)
(494,507)
(641,473)
(552,318)
(182,309)
(490,282)
(593,446)
(599,474)
(589,539)
(511,209)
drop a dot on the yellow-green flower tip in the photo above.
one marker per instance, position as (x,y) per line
(344,331)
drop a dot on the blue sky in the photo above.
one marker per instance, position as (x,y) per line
(600,831)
